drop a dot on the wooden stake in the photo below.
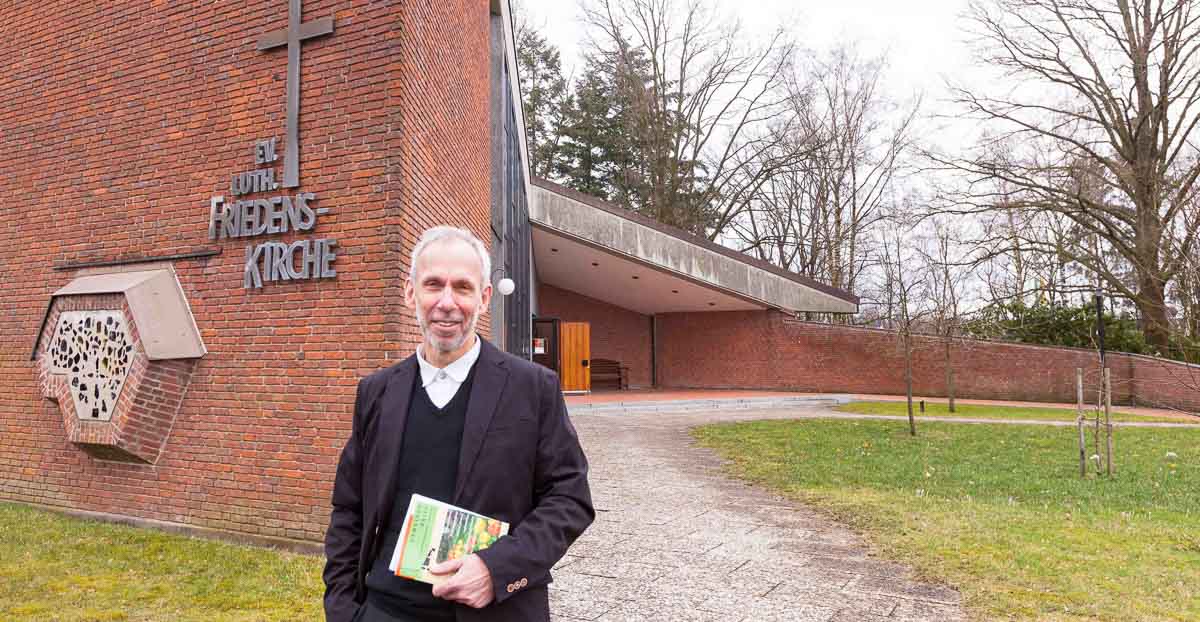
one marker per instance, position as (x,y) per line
(1108,421)
(1079,418)
(1096,430)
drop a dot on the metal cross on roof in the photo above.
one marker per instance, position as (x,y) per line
(292,36)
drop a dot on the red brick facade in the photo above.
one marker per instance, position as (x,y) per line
(617,333)
(119,121)
(768,350)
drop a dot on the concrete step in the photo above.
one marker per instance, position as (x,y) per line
(733,403)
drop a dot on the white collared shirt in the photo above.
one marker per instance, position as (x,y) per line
(441,383)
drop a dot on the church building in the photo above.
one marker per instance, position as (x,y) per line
(209,209)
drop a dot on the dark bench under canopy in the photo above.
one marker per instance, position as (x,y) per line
(609,374)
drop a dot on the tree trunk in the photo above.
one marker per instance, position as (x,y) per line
(1153,309)
(1193,328)
(949,374)
(908,382)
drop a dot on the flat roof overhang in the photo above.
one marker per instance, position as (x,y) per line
(590,247)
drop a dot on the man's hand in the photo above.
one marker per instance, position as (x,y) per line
(470,585)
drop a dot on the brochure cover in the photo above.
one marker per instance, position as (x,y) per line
(435,532)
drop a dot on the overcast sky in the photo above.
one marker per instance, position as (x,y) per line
(924,39)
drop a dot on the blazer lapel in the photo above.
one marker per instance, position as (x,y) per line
(491,374)
(389,432)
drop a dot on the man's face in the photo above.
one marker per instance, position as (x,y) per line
(447,294)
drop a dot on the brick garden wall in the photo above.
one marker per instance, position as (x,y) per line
(617,333)
(1164,383)
(768,350)
(118,121)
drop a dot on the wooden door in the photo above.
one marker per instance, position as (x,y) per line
(575,344)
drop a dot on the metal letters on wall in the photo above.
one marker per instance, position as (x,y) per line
(247,217)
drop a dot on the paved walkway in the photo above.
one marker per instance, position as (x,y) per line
(675,540)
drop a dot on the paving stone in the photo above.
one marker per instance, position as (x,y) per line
(856,616)
(660,609)
(763,610)
(874,567)
(798,591)
(919,611)
(579,606)
(616,568)
(583,584)
(905,589)
(813,549)
(566,560)
(797,573)
(666,553)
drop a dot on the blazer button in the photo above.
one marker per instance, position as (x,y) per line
(511,588)
(523,582)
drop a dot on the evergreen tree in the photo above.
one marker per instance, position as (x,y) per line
(586,127)
(545,102)
(601,146)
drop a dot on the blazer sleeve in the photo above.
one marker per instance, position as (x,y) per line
(562,502)
(343,539)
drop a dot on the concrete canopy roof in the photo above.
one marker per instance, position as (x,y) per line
(158,305)
(593,248)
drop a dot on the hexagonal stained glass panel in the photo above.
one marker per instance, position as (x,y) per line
(94,350)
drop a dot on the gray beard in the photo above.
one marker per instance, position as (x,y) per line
(439,344)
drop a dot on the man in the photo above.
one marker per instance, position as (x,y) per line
(462,422)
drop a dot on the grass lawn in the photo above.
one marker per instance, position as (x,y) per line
(979,411)
(1000,511)
(56,568)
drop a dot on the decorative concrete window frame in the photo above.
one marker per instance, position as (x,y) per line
(116,351)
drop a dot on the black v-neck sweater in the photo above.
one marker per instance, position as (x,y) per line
(428,466)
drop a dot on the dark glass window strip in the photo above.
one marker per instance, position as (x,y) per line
(516,237)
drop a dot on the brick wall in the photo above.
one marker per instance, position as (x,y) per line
(1165,384)
(617,333)
(768,350)
(118,121)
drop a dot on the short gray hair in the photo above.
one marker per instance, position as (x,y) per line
(444,233)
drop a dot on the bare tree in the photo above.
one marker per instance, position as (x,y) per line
(946,276)
(1185,295)
(816,217)
(900,284)
(1104,110)
(1010,258)
(709,115)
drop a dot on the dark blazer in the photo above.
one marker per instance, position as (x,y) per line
(520,462)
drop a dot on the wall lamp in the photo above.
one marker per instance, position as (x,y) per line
(505,285)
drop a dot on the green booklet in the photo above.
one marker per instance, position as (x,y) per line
(435,532)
